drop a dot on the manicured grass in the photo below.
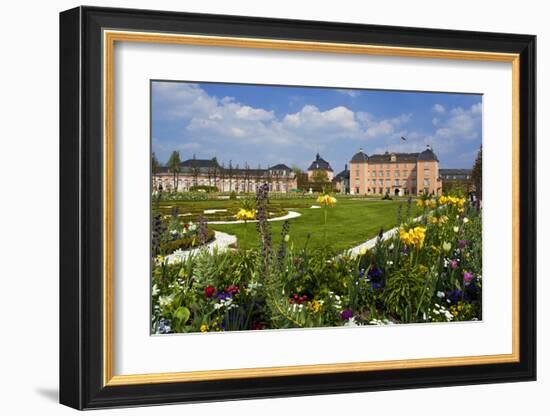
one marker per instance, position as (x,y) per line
(350,222)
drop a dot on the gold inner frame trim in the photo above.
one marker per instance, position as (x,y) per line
(110,37)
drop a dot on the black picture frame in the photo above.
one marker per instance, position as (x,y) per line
(81,201)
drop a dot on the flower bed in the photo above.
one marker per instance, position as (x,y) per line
(430,271)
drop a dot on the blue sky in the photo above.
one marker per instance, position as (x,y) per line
(265,125)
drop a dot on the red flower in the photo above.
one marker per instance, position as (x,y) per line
(209,291)
(232,289)
(186,226)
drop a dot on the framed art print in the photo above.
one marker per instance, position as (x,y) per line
(259,207)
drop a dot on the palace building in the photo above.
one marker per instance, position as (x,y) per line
(320,168)
(208,172)
(395,174)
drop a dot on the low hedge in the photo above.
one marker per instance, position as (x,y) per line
(185,243)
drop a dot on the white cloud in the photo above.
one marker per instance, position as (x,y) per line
(455,128)
(349,93)
(438,108)
(208,117)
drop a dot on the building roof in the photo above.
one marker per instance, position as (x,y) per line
(320,164)
(342,175)
(280,166)
(211,166)
(428,155)
(360,157)
(200,163)
(399,157)
(455,171)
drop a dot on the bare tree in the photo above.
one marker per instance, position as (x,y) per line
(215,169)
(195,170)
(223,173)
(247,176)
(230,174)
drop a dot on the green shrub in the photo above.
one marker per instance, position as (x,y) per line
(184,243)
(203,188)
(233,195)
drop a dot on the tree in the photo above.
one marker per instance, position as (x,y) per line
(195,170)
(319,176)
(230,175)
(477,173)
(301,177)
(154,164)
(215,172)
(174,167)
(222,177)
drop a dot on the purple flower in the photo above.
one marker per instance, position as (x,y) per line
(461,243)
(454,264)
(468,277)
(223,295)
(346,314)
(374,273)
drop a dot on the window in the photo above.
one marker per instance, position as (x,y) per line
(357,173)
(373,173)
(426,182)
(396,183)
(381,173)
(387,174)
(396,173)
(388,182)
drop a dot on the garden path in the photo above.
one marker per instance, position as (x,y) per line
(220,243)
(289,216)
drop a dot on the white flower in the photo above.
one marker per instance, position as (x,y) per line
(287,238)
(391,246)
(155,290)
(166,300)
(446,246)
(440,294)
(455,229)
(465,220)
(351,322)
(389,262)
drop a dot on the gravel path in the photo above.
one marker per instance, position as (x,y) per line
(289,216)
(220,243)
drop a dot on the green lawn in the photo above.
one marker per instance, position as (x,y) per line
(350,222)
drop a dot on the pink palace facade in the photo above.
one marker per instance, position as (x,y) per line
(395,174)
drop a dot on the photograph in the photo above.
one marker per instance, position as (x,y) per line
(279,207)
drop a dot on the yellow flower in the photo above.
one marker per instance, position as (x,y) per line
(246,214)
(446,246)
(326,200)
(438,219)
(413,237)
(314,306)
(452,200)
(363,251)
(204,328)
